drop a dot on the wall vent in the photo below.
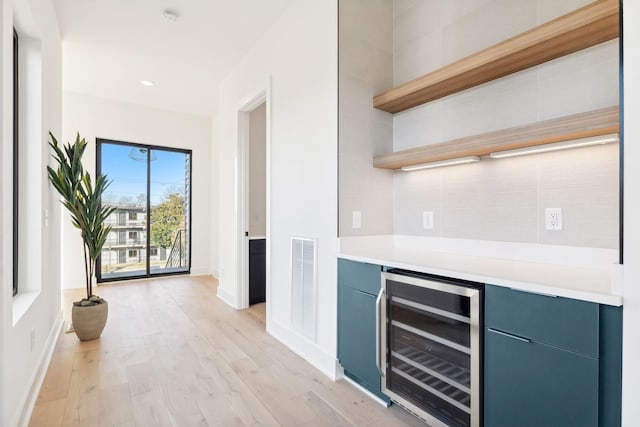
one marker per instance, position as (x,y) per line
(303,286)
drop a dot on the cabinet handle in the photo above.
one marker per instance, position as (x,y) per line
(378,301)
(508,335)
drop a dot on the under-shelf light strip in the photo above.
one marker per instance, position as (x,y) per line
(441,163)
(574,143)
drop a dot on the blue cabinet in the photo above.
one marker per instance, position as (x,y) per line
(358,285)
(550,361)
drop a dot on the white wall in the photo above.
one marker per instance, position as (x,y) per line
(503,199)
(258,171)
(631,310)
(298,55)
(101,118)
(37,306)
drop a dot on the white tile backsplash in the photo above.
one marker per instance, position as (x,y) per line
(417,57)
(503,199)
(365,68)
(370,22)
(388,42)
(551,9)
(485,26)
(482,109)
(583,81)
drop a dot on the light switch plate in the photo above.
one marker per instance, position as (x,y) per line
(553,219)
(356,219)
(427,220)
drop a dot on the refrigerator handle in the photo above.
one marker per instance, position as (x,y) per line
(378,350)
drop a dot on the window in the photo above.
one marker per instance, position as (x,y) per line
(153,186)
(133,253)
(15,162)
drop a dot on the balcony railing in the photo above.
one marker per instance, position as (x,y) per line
(124,242)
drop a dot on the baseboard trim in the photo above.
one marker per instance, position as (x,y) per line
(227,297)
(304,348)
(201,271)
(29,400)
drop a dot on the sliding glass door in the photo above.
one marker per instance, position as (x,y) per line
(151,228)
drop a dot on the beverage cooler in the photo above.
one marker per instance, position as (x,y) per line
(430,346)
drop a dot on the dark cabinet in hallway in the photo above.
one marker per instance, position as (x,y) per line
(257,270)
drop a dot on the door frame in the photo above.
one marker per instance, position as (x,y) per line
(148,147)
(261,96)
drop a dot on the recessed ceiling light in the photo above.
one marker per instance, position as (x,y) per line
(170,15)
(147,83)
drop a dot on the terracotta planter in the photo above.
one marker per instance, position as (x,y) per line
(88,322)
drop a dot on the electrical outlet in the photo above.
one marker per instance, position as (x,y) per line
(356,219)
(33,339)
(427,220)
(553,219)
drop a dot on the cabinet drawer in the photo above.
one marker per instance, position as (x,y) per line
(528,384)
(560,322)
(359,275)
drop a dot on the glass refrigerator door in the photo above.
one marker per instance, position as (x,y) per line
(430,350)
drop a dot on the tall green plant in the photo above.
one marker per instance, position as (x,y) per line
(81,197)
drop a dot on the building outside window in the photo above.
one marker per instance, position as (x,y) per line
(133,216)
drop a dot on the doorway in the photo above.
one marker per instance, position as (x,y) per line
(254,205)
(257,204)
(150,191)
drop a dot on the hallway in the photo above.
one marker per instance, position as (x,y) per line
(173,354)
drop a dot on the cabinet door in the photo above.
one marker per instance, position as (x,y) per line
(533,384)
(357,336)
(257,270)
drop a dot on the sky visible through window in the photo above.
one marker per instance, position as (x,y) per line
(129,176)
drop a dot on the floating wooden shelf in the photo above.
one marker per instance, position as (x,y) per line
(583,125)
(595,23)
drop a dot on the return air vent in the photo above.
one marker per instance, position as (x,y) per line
(303,286)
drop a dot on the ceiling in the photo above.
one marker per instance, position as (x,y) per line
(109,46)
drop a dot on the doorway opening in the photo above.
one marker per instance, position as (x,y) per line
(257,206)
(151,225)
(253,207)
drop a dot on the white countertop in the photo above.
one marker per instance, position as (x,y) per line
(588,275)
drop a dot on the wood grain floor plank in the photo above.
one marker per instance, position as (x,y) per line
(49,413)
(116,408)
(175,355)
(217,410)
(324,413)
(149,409)
(56,382)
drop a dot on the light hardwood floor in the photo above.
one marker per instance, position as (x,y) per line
(173,354)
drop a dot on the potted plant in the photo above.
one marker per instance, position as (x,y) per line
(82,198)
